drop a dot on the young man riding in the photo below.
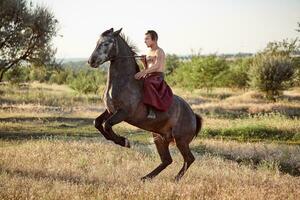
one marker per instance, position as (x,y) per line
(157,94)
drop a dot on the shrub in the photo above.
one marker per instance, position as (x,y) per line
(172,63)
(271,74)
(237,75)
(200,72)
(87,81)
(17,75)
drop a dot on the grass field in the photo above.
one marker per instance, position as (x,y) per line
(49,149)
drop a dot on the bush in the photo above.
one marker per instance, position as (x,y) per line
(87,81)
(39,73)
(237,75)
(60,76)
(271,74)
(172,63)
(201,71)
(18,74)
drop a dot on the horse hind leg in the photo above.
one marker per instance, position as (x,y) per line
(188,158)
(162,146)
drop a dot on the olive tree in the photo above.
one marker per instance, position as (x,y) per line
(273,69)
(26,33)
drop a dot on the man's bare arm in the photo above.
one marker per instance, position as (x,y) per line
(144,61)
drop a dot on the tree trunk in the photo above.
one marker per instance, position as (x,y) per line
(2,74)
(5,70)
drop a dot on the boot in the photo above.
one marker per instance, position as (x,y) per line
(151,113)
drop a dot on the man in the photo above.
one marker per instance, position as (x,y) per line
(157,94)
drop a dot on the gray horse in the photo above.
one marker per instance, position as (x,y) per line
(123,102)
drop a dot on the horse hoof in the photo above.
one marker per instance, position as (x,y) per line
(127,144)
(177,179)
(144,179)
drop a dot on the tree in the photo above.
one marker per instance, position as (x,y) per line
(26,32)
(273,69)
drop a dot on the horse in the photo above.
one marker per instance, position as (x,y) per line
(122,100)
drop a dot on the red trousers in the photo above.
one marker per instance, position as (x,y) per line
(157,92)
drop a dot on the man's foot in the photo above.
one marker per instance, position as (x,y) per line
(151,114)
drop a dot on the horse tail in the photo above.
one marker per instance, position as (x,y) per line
(199,122)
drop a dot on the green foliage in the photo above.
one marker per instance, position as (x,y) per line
(40,74)
(200,71)
(60,76)
(18,75)
(25,35)
(283,48)
(172,63)
(250,132)
(271,74)
(296,61)
(87,81)
(237,75)
(273,70)
(81,79)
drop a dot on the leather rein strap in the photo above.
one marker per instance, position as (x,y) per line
(117,56)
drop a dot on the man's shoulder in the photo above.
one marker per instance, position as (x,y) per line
(160,51)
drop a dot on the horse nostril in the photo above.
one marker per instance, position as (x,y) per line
(90,61)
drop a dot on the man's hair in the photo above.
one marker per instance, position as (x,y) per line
(152,34)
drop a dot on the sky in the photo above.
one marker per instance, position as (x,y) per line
(183,27)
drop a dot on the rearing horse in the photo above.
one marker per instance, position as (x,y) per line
(122,99)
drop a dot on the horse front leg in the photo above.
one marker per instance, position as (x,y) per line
(109,134)
(98,123)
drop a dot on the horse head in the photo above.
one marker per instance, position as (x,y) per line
(106,48)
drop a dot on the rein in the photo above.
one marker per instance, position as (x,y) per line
(117,56)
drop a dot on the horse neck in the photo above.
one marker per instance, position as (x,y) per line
(121,72)
(123,67)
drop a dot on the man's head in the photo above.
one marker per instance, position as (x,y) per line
(151,38)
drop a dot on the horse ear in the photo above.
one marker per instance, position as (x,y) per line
(108,32)
(116,33)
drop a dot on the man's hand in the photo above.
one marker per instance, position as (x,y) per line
(140,74)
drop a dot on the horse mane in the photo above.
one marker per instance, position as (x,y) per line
(133,48)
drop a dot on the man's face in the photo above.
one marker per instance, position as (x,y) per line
(148,41)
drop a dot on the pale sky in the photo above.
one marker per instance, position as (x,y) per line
(212,26)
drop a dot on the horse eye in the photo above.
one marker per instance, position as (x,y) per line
(105,44)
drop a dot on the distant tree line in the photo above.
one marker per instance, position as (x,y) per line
(272,70)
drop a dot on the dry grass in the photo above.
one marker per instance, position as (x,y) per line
(93,169)
(282,157)
(235,104)
(49,149)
